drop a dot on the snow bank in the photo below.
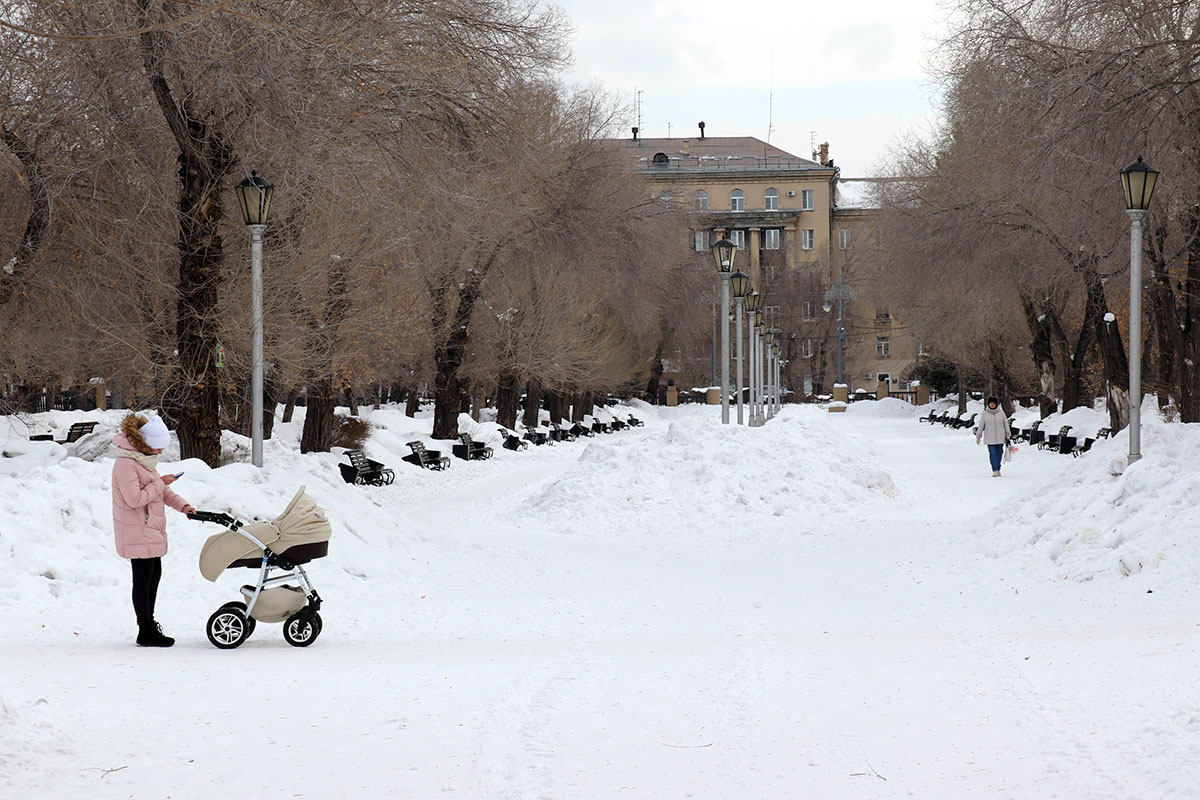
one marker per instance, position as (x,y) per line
(1086,523)
(691,473)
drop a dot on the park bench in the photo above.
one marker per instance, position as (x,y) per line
(1080,449)
(471,450)
(76,432)
(600,427)
(560,434)
(618,424)
(958,423)
(1104,433)
(1035,435)
(362,470)
(424,458)
(931,417)
(1054,439)
(512,441)
(635,422)
(536,436)
(581,430)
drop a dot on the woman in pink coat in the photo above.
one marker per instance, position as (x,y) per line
(139,521)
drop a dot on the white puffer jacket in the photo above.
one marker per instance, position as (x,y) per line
(992,427)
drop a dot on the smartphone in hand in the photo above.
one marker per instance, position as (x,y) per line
(177,476)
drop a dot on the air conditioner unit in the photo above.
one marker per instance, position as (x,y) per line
(791,192)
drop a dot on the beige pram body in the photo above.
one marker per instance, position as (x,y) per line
(297,536)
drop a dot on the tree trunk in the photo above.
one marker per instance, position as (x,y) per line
(270,400)
(320,401)
(204,160)
(290,407)
(506,401)
(656,372)
(577,410)
(1112,350)
(351,399)
(413,403)
(36,224)
(533,405)
(1041,349)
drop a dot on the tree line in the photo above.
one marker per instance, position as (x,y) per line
(446,212)
(1007,239)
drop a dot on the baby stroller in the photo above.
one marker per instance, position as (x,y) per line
(297,536)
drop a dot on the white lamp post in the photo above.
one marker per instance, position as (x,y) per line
(754,306)
(740,283)
(723,253)
(1138,181)
(254,196)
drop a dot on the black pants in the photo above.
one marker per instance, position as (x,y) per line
(146,574)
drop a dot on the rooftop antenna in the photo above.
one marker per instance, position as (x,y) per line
(812,143)
(771,100)
(637,105)
(668,129)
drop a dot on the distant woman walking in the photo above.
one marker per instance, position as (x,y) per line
(993,431)
(139,521)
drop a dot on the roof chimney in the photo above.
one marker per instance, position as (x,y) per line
(635,133)
(701,130)
(825,154)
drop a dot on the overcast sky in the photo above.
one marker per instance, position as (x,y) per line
(852,73)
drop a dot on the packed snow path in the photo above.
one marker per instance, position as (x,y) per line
(813,609)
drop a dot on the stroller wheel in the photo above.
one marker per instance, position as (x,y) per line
(228,627)
(302,629)
(250,621)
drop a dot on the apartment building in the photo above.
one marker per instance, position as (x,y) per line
(782,212)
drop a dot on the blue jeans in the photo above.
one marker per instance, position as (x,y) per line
(995,453)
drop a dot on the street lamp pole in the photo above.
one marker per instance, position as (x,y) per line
(254,197)
(840,293)
(739,282)
(723,253)
(1138,181)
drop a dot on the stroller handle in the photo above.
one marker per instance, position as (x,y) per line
(213,516)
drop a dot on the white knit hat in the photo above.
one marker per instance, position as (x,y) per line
(155,433)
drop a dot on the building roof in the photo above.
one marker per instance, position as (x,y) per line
(733,153)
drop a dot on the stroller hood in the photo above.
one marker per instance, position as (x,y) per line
(302,522)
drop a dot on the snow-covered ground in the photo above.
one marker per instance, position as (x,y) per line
(832,606)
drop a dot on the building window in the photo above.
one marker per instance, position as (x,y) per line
(883,314)
(738,238)
(771,200)
(884,377)
(701,241)
(844,239)
(922,350)
(806,199)
(806,311)
(737,200)
(806,239)
(701,199)
(768,272)
(806,348)
(771,315)
(883,346)
(771,239)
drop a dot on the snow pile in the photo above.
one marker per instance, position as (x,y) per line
(1086,523)
(887,407)
(695,476)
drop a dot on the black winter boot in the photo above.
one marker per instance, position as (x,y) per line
(152,636)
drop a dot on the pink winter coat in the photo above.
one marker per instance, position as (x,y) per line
(139,515)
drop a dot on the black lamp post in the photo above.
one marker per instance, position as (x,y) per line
(254,196)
